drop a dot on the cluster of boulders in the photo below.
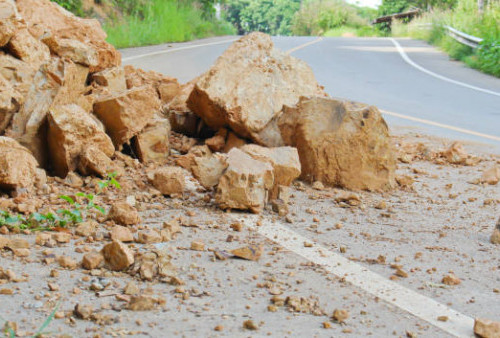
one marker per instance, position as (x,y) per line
(255,122)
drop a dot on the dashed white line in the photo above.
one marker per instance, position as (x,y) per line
(423,307)
(441,77)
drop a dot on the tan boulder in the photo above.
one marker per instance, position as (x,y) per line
(148,236)
(56,83)
(121,233)
(248,86)
(209,169)
(187,161)
(169,180)
(491,175)
(18,167)
(166,87)
(126,113)
(8,20)
(44,16)
(152,143)
(124,214)
(245,183)
(181,118)
(486,328)
(70,130)
(18,73)
(93,161)
(285,162)
(117,256)
(74,50)
(340,143)
(27,48)
(112,78)
(92,260)
(9,102)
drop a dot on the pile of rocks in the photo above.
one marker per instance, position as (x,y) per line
(255,122)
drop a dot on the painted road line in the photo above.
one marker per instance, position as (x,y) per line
(166,51)
(441,77)
(423,307)
(290,51)
(442,125)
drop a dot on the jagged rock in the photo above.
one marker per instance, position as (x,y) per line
(486,328)
(495,236)
(340,143)
(245,183)
(233,141)
(166,87)
(152,264)
(74,50)
(92,260)
(18,167)
(187,161)
(113,79)
(285,162)
(152,143)
(93,161)
(70,130)
(18,73)
(124,214)
(121,233)
(148,236)
(117,256)
(181,118)
(169,180)
(8,20)
(217,142)
(456,154)
(9,102)
(44,16)
(27,48)
(491,175)
(209,169)
(126,113)
(248,86)
(56,83)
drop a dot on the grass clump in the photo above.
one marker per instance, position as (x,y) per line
(159,21)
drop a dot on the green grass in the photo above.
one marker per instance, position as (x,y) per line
(465,18)
(164,21)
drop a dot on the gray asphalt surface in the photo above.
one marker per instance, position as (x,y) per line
(370,70)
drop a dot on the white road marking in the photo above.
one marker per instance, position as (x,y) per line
(290,51)
(423,307)
(441,77)
(442,125)
(166,51)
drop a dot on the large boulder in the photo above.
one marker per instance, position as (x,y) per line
(112,78)
(152,143)
(8,21)
(245,183)
(74,50)
(126,113)
(340,143)
(18,73)
(46,17)
(166,87)
(71,129)
(56,83)
(208,169)
(18,167)
(284,160)
(248,86)
(9,102)
(28,49)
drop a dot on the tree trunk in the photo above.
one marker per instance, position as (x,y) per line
(480,6)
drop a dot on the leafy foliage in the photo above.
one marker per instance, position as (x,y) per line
(81,206)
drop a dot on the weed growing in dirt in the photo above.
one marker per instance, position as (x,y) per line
(81,207)
(8,331)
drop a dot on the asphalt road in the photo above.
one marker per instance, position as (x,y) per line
(369,70)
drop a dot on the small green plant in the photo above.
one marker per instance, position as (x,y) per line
(81,206)
(9,332)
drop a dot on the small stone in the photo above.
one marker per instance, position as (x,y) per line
(327,325)
(442,318)
(250,325)
(131,289)
(92,260)
(495,236)
(280,207)
(121,233)
(250,252)
(67,262)
(401,273)
(381,205)
(6,291)
(17,243)
(491,175)
(62,237)
(317,185)
(219,328)
(237,226)
(198,245)
(451,279)
(44,239)
(169,180)
(142,303)
(117,255)
(149,236)
(340,315)
(86,229)
(83,311)
(485,328)
(124,214)
(22,252)
(53,286)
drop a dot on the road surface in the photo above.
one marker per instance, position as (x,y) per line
(370,70)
